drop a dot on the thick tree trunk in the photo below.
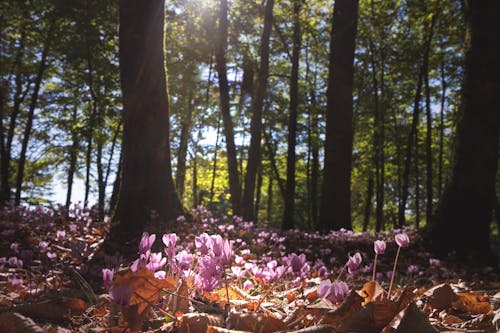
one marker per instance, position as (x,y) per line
(220,59)
(462,220)
(31,112)
(147,183)
(256,121)
(288,214)
(414,125)
(336,204)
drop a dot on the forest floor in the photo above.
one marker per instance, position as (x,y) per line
(268,281)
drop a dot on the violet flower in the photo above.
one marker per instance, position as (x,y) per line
(403,241)
(121,294)
(146,242)
(107,277)
(354,262)
(334,291)
(203,243)
(170,241)
(379,248)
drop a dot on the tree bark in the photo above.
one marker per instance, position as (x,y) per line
(288,214)
(220,59)
(147,183)
(414,125)
(336,203)
(428,151)
(466,208)
(183,143)
(73,158)
(31,112)
(256,121)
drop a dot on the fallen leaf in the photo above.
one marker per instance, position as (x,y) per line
(372,318)
(198,322)
(441,297)
(415,321)
(13,322)
(54,310)
(255,322)
(350,305)
(372,291)
(215,329)
(147,290)
(472,302)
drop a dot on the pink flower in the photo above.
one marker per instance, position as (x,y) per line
(107,277)
(146,242)
(43,245)
(379,246)
(334,291)
(184,260)
(72,228)
(248,285)
(297,264)
(170,240)
(61,234)
(203,243)
(121,294)
(156,261)
(51,255)
(402,240)
(354,262)
(434,262)
(14,247)
(15,282)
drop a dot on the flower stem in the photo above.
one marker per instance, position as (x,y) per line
(342,271)
(374,266)
(393,272)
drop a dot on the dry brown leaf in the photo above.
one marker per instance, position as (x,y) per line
(350,305)
(314,329)
(54,310)
(372,291)
(415,321)
(372,318)
(215,329)
(198,322)
(147,290)
(13,322)
(472,302)
(441,297)
(255,322)
(451,319)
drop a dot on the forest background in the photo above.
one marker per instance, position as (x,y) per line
(61,106)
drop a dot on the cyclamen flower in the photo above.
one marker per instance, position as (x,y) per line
(121,294)
(402,240)
(248,285)
(334,291)
(51,255)
(354,262)
(14,247)
(61,234)
(208,274)
(203,243)
(184,260)
(43,245)
(170,241)
(107,277)
(156,261)
(142,261)
(379,246)
(297,264)
(72,228)
(146,243)
(15,282)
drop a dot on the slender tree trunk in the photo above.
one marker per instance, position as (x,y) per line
(428,151)
(183,144)
(194,162)
(414,124)
(146,184)
(256,121)
(441,128)
(73,158)
(31,112)
(258,194)
(336,204)
(101,185)
(288,214)
(220,58)
(116,185)
(417,181)
(269,198)
(468,202)
(110,159)
(271,152)
(368,204)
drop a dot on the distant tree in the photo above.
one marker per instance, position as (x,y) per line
(147,183)
(336,202)
(465,212)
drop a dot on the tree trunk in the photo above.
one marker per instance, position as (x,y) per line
(73,158)
(414,125)
(258,195)
(336,204)
(183,144)
(31,112)
(113,201)
(368,204)
(466,208)
(441,128)
(220,59)
(288,214)
(256,121)
(147,183)
(428,151)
